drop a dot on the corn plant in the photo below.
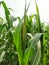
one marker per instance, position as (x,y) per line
(24,46)
(7,49)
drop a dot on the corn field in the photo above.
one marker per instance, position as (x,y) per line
(24,44)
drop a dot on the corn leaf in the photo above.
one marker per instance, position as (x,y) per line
(38,19)
(17,41)
(32,45)
(26,9)
(7,13)
(37,58)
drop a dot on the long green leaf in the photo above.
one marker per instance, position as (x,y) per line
(39,29)
(37,58)
(7,13)
(38,19)
(17,41)
(26,9)
(32,45)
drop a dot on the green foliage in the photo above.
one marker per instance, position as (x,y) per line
(25,44)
